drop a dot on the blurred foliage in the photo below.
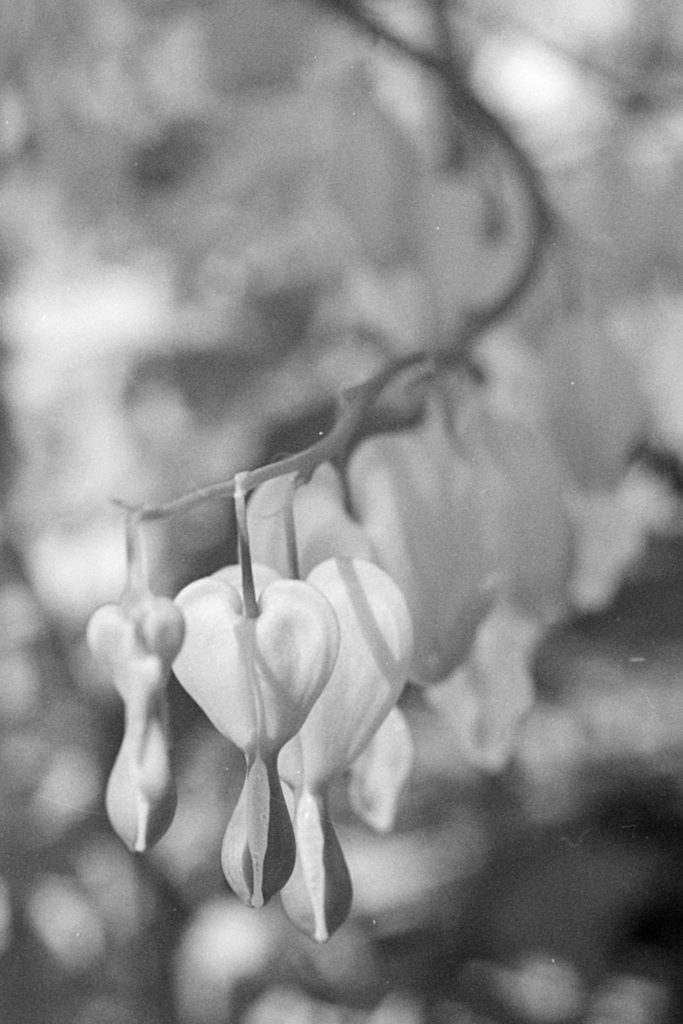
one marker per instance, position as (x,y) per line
(213,216)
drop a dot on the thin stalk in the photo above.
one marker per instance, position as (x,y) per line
(289,525)
(251,608)
(136,585)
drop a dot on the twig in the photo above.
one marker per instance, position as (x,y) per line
(353,406)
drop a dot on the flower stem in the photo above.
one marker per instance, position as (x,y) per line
(290,531)
(136,585)
(251,608)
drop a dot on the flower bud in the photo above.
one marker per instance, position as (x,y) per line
(136,644)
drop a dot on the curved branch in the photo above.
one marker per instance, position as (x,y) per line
(469,109)
(465,105)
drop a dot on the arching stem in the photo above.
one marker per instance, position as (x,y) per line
(354,405)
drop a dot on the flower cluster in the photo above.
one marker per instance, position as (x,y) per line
(435,556)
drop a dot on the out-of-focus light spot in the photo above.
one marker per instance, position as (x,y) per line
(531,83)
(394,875)
(20,685)
(400,1008)
(626,999)
(224,944)
(597,19)
(280,1005)
(66,923)
(75,571)
(19,614)
(107,873)
(114,309)
(22,760)
(543,988)
(68,790)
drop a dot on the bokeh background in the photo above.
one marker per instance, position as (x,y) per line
(214,214)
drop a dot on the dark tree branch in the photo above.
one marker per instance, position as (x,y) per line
(481,123)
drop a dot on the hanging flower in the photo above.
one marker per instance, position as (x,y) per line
(415,495)
(523,515)
(256,678)
(136,642)
(375,650)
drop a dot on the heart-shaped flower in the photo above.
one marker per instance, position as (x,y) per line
(415,495)
(375,650)
(256,680)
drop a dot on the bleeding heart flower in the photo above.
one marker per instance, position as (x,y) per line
(375,650)
(595,407)
(137,642)
(579,387)
(523,514)
(375,646)
(256,680)
(415,495)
